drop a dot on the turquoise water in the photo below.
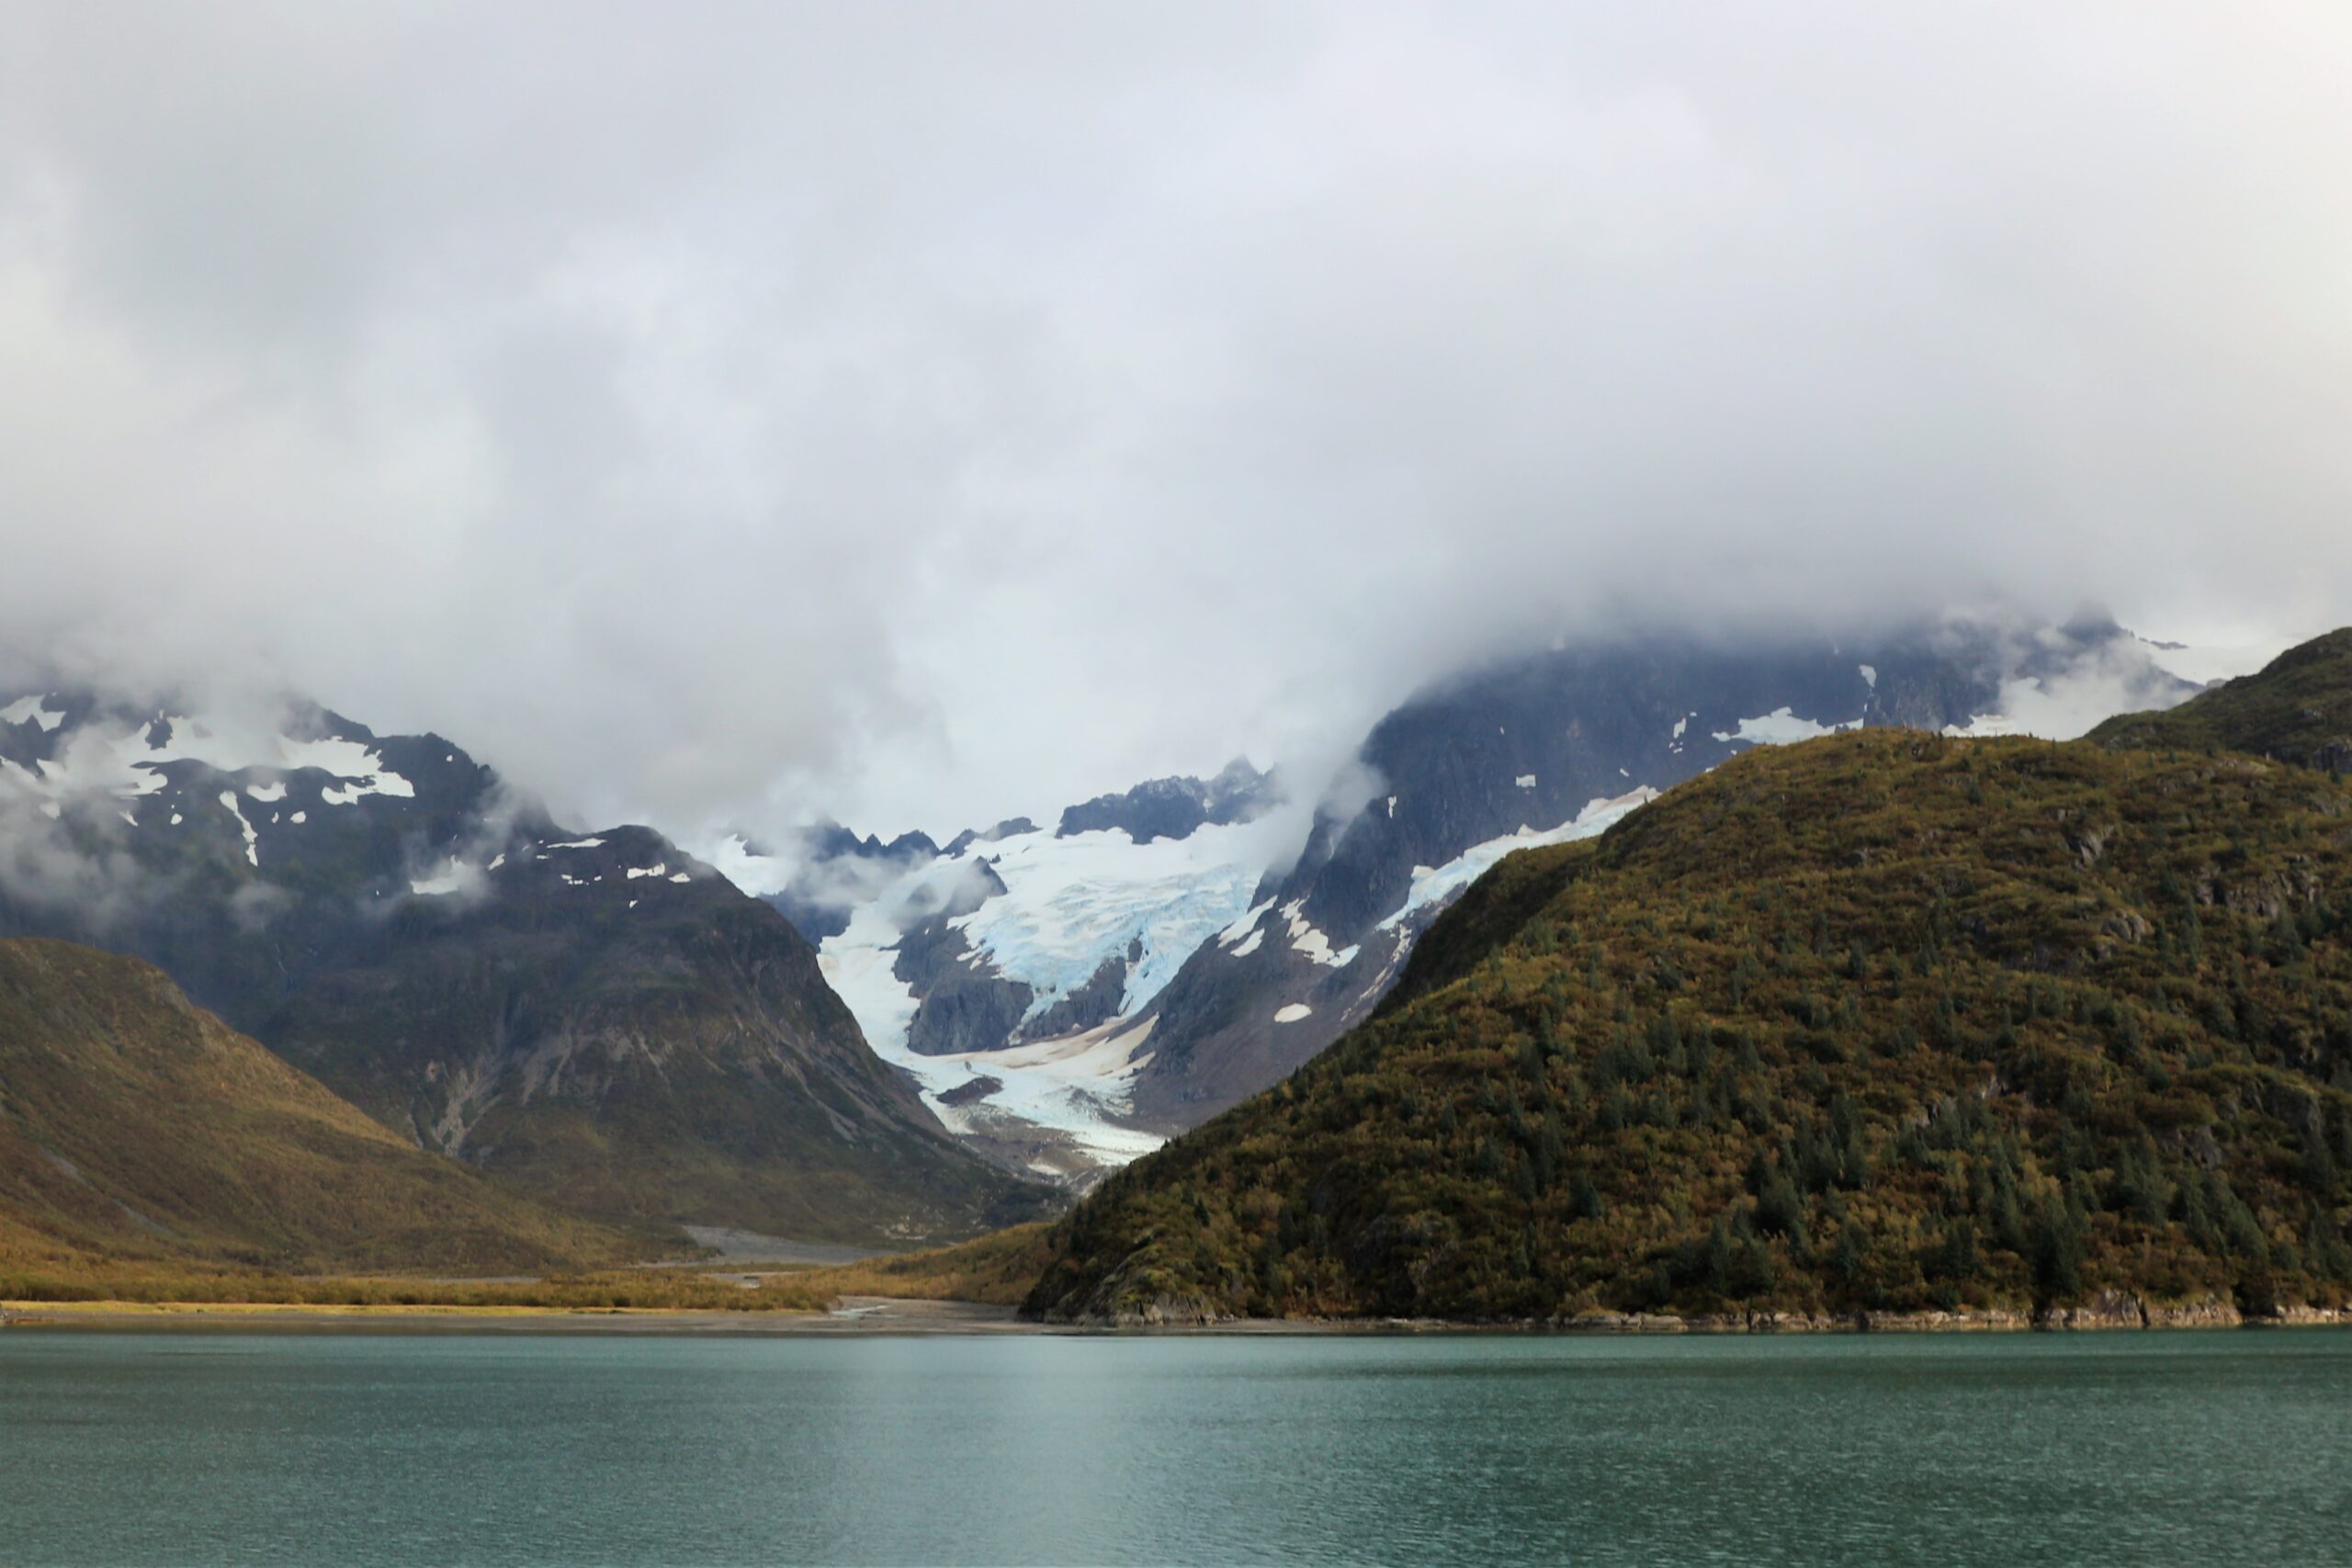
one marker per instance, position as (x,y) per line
(2124,1448)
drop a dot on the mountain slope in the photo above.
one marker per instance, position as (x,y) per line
(1881,1021)
(1558,747)
(597,1016)
(2297,709)
(629,1044)
(135,1125)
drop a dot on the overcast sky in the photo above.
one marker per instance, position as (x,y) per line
(924,413)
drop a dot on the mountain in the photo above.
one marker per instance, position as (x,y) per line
(1004,971)
(597,1017)
(134,1125)
(1175,807)
(1067,1000)
(2296,710)
(1558,746)
(1884,1021)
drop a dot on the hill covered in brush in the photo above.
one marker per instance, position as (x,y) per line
(2297,709)
(137,1128)
(1885,1021)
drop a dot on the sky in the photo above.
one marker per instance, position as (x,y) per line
(725,415)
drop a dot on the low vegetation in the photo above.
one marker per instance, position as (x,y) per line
(644,1290)
(999,1269)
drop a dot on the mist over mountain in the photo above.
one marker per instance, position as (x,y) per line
(729,420)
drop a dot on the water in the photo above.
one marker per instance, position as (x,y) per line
(2015,1450)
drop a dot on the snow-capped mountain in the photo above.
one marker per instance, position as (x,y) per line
(1067,998)
(599,1017)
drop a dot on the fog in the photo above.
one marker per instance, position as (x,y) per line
(922,414)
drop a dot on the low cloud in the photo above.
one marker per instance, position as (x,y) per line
(75,865)
(734,415)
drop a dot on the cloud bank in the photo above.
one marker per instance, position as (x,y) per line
(928,413)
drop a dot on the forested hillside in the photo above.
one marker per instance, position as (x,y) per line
(1885,1022)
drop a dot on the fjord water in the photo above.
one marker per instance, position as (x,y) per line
(2124,1447)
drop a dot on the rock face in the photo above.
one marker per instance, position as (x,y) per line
(1173,807)
(598,1018)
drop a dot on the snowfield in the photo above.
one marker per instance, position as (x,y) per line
(1072,905)
(1435,884)
(1782,728)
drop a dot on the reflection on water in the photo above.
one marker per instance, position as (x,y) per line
(2125,1448)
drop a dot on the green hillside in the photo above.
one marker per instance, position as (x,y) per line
(1885,1022)
(136,1128)
(2298,710)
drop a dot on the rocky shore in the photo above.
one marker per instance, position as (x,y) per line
(2108,1309)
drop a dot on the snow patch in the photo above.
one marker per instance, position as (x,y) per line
(1526,781)
(1293,1013)
(1256,940)
(1434,885)
(1245,926)
(1305,939)
(111,757)
(1870,676)
(658,868)
(35,709)
(253,839)
(1782,728)
(579,844)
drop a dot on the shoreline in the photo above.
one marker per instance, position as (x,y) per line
(874,1317)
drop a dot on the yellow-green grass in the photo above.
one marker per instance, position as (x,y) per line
(666,1290)
(997,1269)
